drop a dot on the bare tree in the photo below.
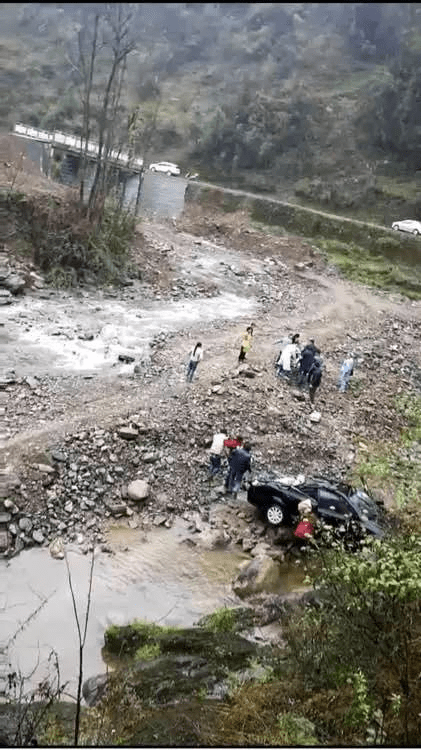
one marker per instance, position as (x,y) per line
(86,70)
(141,131)
(104,42)
(81,632)
(117,20)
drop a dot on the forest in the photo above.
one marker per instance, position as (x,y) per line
(317,101)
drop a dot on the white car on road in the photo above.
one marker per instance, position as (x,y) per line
(165,166)
(408,225)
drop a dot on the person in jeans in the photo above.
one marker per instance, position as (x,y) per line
(239,463)
(347,370)
(195,355)
(217,451)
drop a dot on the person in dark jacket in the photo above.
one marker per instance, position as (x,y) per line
(308,355)
(314,378)
(239,463)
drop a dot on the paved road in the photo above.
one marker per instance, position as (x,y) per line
(288,204)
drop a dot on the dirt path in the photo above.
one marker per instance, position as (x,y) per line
(309,300)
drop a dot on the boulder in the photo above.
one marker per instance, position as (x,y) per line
(94,688)
(315,417)
(57,549)
(14,283)
(38,536)
(213,538)
(261,574)
(25,524)
(138,490)
(128,433)
(5,297)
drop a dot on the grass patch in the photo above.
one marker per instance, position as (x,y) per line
(396,465)
(147,652)
(222,620)
(376,270)
(129,640)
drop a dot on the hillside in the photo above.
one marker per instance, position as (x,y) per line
(273,97)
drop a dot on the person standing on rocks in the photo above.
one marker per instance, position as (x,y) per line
(289,358)
(308,355)
(195,355)
(239,463)
(347,370)
(314,378)
(245,344)
(217,452)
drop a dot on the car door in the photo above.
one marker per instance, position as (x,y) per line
(332,508)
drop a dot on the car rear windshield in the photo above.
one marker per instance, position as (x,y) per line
(365,505)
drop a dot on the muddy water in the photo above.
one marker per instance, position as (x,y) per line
(154,577)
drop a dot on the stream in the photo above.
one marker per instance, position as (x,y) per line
(159,578)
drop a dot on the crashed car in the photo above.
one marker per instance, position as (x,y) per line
(334,503)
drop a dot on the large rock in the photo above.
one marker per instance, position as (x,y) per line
(128,433)
(14,283)
(213,538)
(94,688)
(261,574)
(138,490)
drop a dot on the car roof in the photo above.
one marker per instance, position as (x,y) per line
(302,482)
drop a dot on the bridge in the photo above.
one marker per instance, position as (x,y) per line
(78,146)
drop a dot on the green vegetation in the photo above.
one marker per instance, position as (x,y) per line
(365,633)
(68,247)
(359,264)
(396,464)
(129,639)
(227,620)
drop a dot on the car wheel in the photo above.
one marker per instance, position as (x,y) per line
(274,514)
(153,169)
(396,229)
(169,173)
(415,232)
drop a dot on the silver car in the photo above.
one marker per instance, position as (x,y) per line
(165,166)
(408,225)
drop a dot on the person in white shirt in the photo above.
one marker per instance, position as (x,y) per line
(289,358)
(195,355)
(217,451)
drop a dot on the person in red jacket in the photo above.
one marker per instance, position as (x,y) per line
(306,527)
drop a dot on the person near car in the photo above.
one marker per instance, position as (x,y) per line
(289,359)
(346,372)
(246,343)
(307,358)
(314,378)
(217,451)
(306,526)
(230,444)
(239,463)
(195,356)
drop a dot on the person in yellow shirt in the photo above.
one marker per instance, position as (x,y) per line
(246,343)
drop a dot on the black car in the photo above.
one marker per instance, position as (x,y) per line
(333,502)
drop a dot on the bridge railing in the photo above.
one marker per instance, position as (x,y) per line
(75,143)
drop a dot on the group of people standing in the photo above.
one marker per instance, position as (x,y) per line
(303,367)
(238,457)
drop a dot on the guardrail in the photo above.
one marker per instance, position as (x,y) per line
(75,143)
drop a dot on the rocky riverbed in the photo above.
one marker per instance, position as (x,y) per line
(100,427)
(84,433)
